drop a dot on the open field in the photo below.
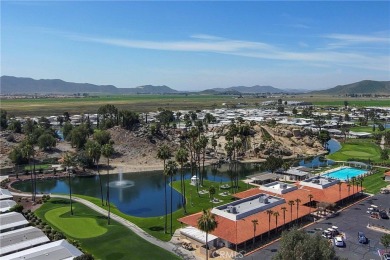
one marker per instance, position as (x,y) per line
(90,229)
(147,103)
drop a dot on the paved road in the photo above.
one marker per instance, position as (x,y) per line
(350,221)
(176,249)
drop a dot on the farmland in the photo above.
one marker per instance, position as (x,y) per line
(147,103)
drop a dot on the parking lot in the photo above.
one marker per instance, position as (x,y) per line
(349,222)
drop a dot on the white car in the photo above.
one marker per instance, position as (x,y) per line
(338,241)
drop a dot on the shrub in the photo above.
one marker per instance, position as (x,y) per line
(17,208)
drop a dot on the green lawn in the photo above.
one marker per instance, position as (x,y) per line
(75,226)
(375,182)
(357,149)
(195,203)
(95,236)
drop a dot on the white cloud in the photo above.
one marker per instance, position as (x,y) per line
(260,50)
(350,38)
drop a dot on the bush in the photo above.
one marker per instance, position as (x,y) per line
(84,257)
(11,138)
(17,208)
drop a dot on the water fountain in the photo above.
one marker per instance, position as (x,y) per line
(120,183)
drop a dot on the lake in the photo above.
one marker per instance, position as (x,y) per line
(146,197)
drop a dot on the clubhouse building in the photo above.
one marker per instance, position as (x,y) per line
(293,203)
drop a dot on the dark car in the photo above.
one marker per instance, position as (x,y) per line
(362,238)
(383,215)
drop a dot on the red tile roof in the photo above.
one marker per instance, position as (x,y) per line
(387,173)
(242,230)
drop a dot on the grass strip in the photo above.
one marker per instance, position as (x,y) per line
(118,242)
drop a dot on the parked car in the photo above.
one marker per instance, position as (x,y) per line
(383,215)
(326,234)
(362,238)
(386,257)
(338,241)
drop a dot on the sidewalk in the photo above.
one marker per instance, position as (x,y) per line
(176,249)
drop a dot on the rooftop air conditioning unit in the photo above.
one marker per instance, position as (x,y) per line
(230,209)
(234,210)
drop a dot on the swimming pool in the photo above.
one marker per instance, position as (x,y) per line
(345,173)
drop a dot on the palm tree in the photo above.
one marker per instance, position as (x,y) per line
(171,170)
(182,157)
(107,151)
(28,152)
(360,180)
(94,150)
(353,179)
(269,213)
(291,203)
(284,209)
(203,140)
(297,201)
(163,153)
(310,198)
(276,215)
(212,193)
(207,223)
(255,222)
(339,183)
(69,160)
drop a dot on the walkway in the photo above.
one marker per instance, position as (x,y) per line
(382,145)
(176,249)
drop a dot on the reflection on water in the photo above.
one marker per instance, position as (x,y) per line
(146,197)
(318,161)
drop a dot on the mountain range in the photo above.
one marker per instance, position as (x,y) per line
(361,87)
(18,85)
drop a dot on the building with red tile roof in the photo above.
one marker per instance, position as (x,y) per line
(234,232)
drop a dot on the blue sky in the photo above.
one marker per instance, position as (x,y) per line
(197,45)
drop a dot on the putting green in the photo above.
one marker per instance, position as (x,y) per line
(357,153)
(74,226)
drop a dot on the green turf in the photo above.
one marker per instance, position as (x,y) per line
(117,243)
(155,225)
(77,227)
(357,149)
(373,183)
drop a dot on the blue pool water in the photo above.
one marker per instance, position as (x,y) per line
(345,173)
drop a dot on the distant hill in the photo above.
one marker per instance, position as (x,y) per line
(361,87)
(250,90)
(16,85)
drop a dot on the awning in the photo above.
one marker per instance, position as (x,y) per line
(197,234)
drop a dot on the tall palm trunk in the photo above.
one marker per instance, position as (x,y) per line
(183,191)
(171,204)
(100,181)
(70,193)
(165,202)
(32,180)
(108,191)
(35,180)
(207,247)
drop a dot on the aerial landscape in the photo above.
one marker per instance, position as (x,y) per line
(195,130)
